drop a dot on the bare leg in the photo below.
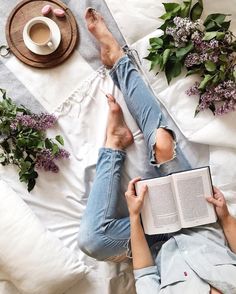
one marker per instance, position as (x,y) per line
(112,52)
(214,291)
(118,134)
(110,49)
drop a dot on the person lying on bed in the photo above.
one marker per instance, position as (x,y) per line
(190,261)
(198,257)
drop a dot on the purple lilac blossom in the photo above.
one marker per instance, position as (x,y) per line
(193,90)
(39,122)
(228,38)
(205,51)
(183,29)
(192,59)
(62,154)
(223,96)
(44,160)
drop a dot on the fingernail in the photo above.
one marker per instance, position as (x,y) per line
(107,95)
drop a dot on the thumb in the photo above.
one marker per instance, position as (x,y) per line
(143,192)
(212,200)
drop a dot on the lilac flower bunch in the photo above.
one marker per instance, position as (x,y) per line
(203,51)
(205,48)
(221,98)
(40,122)
(183,29)
(214,60)
(45,159)
(23,141)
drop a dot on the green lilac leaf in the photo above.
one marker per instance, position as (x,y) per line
(170,7)
(209,35)
(194,71)
(156,41)
(223,58)
(204,82)
(182,52)
(55,149)
(185,8)
(2,158)
(166,16)
(234,74)
(155,62)
(216,17)
(210,66)
(172,69)
(225,25)
(196,11)
(196,111)
(59,139)
(166,55)
(31,184)
(220,35)
(48,143)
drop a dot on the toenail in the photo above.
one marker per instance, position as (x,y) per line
(91,10)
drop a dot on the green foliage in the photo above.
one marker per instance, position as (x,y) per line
(19,146)
(165,55)
(216,22)
(210,66)
(196,10)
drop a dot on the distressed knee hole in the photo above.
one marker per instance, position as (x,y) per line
(164,148)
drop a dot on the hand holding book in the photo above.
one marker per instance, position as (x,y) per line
(135,202)
(177,201)
(227,221)
(219,202)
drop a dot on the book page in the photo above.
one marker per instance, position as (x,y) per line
(192,188)
(159,213)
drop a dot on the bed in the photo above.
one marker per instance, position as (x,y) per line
(79,103)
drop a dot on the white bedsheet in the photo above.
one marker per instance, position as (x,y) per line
(59,200)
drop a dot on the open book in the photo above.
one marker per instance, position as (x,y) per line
(177,201)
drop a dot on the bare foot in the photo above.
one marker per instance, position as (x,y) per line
(164,149)
(110,49)
(119,135)
(214,291)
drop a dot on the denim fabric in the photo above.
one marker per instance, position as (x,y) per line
(146,111)
(102,233)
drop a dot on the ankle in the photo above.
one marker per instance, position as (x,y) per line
(114,143)
(111,53)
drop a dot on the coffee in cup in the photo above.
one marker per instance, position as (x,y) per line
(39,32)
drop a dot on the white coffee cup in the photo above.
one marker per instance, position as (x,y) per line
(39,33)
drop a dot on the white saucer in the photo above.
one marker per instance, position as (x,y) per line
(44,50)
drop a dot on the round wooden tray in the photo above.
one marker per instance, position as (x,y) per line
(28,9)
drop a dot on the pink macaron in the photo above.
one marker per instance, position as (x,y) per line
(46,9)
(59,12)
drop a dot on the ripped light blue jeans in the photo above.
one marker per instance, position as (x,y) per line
(103,234)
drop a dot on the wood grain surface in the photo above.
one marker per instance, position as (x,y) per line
(28,9)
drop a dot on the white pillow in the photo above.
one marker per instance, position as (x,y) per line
(34,260)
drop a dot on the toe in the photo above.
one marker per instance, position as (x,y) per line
(110,97)
(90,14)
(114,106)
